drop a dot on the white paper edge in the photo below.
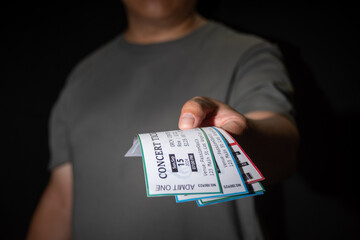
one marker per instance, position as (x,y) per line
(135,150)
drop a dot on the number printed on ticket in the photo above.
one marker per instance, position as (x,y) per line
(179,162)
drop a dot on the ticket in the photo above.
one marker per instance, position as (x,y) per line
(250,173)
(178,162)
(229,172)
(202,164)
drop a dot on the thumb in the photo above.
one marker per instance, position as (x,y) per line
(195,111)
(187,121)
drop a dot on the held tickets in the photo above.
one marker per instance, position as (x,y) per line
(202,164)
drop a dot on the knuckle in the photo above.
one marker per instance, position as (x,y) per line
(204,102)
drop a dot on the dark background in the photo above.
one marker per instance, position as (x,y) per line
(321,46)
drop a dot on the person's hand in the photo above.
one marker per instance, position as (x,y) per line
(269,138)
(204,111)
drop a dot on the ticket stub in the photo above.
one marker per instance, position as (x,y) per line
(250,173)
(230,175)
(179,162)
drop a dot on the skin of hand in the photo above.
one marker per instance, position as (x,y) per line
(270,139)
(204,111)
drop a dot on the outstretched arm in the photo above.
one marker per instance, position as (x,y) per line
(270,139)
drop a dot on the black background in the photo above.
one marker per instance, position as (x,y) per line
(321,46)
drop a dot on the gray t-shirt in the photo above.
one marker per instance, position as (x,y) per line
(123,89)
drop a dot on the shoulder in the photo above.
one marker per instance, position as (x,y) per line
(101,55)
(233,47)
(88,66)
(231,42)
(234,38)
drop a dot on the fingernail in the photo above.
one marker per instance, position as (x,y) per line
(187,121)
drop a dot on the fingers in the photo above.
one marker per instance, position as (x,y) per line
(203,111)
(196,111)
(235,126)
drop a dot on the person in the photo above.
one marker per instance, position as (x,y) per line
(170,68)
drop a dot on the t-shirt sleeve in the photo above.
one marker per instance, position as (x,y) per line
(58,136)
(59,123)
(261,82)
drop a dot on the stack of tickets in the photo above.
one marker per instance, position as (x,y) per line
(205,165)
